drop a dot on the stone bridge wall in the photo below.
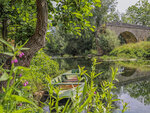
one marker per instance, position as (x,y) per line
(140,32)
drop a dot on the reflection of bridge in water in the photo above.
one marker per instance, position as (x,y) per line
(135,75)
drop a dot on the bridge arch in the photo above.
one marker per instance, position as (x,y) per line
(140,33)
(127,37)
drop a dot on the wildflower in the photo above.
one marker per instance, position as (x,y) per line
(20,104)
(12,62)
(20,75)
(26,83)
(15,60)
(21,54)
(95,92)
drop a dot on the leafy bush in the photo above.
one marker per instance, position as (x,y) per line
(55,43)
(137,50)
(41,66)
(60,43)
(108,41)
(44,64)
(79,46)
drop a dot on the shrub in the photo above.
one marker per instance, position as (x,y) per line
(44,64)
(137,50)
(41,66)
(108,41)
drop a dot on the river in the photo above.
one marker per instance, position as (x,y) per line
(134,80)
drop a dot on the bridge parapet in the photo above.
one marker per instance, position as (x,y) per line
(119,24)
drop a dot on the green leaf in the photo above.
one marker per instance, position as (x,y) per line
(3,89)
(22,110)
(66,105)
(114,100)
(78,15)
(4,77)
(1,109)
(98,74)
(97,1)
(77,28)
(22,99)
(6,43)
(25,48)
(85,103)
(19,68)
(85,89)
(18,48)
(7,53)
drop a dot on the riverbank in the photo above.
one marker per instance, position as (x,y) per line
(132,51)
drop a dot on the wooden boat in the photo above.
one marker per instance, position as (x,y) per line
(68,82)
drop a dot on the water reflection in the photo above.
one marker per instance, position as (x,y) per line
(134,80)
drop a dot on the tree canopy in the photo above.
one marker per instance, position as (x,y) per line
(138,13)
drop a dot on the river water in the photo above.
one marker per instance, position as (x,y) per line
(134,80)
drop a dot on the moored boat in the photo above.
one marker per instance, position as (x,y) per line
(69,81)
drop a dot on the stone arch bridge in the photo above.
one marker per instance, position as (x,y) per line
(130,33)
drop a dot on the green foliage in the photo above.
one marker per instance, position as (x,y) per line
(44,64)
(139,50)
(41,66)
(73,43)
(21,16)
(55,43)
(105,13)
(60,44)
(108,41)
(14,94)
(18,96)
(138,13)
(71,15)
(78,46)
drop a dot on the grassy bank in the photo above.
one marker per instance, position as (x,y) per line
(140,50)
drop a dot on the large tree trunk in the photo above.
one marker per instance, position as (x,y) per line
(37,41)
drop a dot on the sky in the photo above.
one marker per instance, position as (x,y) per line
(124,4)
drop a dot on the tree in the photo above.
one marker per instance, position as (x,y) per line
(108,41)
(138,13)
(101,14)
(74,21)
(18,19)
(56,43)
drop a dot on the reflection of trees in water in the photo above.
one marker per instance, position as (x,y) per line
(105,67)
(140,90)
(127,72)
(72,63)
(140,65)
